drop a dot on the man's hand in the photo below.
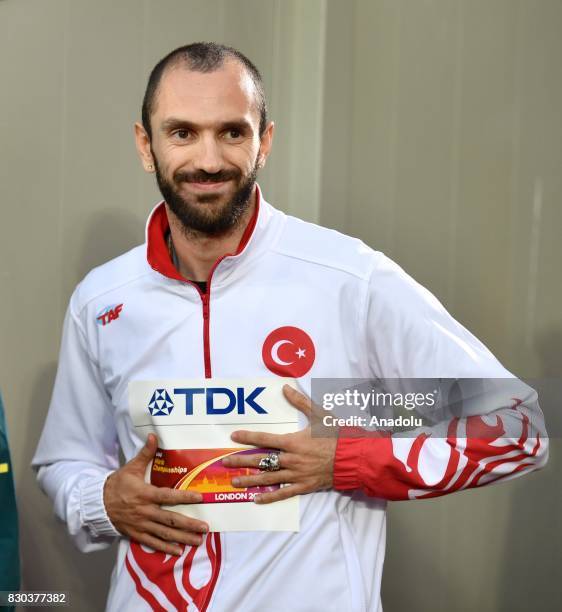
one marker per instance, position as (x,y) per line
(307,463)
(133,507)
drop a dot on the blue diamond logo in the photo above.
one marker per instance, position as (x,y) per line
(160,404)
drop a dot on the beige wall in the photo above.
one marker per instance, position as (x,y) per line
(447,134)
(432,129)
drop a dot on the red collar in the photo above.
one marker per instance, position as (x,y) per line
(157,252)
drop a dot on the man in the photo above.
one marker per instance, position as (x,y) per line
(228,286)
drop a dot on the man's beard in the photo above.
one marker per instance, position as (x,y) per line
(193,214)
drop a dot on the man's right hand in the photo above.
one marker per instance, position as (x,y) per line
(133,507)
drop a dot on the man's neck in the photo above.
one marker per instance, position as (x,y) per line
(197,253)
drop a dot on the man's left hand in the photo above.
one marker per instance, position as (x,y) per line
(306,463)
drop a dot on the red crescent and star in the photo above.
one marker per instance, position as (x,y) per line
(288,351)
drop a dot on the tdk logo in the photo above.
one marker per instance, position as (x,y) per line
(218,400)
(108,314)
(160,403)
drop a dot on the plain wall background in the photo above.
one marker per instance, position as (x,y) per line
(432,129)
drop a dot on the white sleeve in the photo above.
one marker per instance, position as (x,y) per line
(78,448)
(408,334)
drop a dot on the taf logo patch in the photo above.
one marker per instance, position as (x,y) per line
(109,314)
(160,403)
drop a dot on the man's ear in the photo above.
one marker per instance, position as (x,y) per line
(266,141)
(142,142)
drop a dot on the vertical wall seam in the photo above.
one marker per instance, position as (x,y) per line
(533,271)
(274,98)
(452,258)
(222,19)
(63,298)
(350,132)
(393,145)
(298,130)
(511,303)
(320,114)
(141,204)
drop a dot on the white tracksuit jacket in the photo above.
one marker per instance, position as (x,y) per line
(135,318)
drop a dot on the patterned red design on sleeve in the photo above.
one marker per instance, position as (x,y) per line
(479,455)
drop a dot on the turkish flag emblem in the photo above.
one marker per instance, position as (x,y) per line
(288,351)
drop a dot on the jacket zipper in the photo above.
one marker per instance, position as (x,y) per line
(206,303)
(205,297)
(205,300)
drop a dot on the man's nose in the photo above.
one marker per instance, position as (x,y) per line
(208,155)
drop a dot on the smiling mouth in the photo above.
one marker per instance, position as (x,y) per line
(207,185)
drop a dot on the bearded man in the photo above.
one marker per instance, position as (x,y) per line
(227,286)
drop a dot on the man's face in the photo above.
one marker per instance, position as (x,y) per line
(206,145)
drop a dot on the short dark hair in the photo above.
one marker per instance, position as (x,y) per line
(201,57)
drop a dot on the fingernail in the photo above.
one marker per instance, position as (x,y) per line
(236,482)
(257,499)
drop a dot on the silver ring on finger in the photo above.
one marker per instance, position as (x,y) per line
(270,463)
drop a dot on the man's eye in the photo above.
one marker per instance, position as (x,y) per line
(181,134)
(233,134)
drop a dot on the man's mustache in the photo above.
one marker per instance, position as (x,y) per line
(204,177)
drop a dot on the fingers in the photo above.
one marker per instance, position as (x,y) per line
(286,460)
(159,544)
(169,518)
(303,403)
(164,530)
(263,479)
(155,543)
(254,438)
(258,438)
(280,494)
(164,496)
(169,534)
(246,460)
(298,400)
(146,453)
(133,506)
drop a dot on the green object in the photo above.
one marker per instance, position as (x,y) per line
(9,540)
